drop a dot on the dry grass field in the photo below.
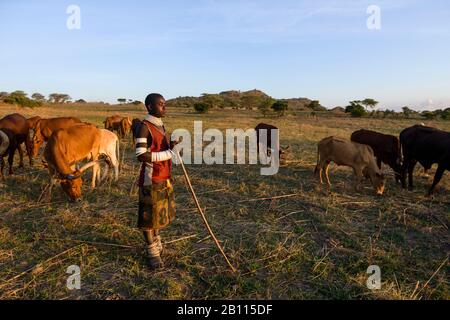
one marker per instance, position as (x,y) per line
(310,245)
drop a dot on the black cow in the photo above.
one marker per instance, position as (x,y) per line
(427,146)
(386,148)
(269,128)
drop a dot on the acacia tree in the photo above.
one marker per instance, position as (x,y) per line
(280,107)
(212,100)
(369,103)
(407,112)
(20,98)
(65,98)
(356,109)
(202,107)
(315,105)
(3,95)
(429,115)
(38,97)
(18,93)
(265,106)
(59,98)
(446,114)
(122,100)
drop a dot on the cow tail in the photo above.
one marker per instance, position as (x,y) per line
(118,154)
(318,161)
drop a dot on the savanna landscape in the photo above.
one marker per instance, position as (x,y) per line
(287,236)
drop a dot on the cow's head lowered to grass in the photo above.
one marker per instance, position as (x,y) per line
(378,181)
(35,141)
(72,183)
(377,178)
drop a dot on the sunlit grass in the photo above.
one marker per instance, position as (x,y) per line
(307,246)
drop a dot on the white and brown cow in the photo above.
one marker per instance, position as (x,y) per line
(67,147)
(110,148)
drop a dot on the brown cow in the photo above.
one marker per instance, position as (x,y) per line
(343,152)
(32,122)
(386,148)
(15,131)
(125,126)
(44,130)
(67,147)
(113,123)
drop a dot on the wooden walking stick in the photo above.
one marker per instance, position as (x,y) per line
(201,211)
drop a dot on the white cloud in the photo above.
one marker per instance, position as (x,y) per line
(432,104)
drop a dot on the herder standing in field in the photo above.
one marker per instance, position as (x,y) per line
(156,197)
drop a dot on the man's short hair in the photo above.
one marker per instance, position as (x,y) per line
(151,100)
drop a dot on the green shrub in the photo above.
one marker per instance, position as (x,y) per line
(358,111)
(21,100)
(201,107)
(280,107)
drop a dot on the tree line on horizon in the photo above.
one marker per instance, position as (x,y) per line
(249,100)
(366,107)
(21,99)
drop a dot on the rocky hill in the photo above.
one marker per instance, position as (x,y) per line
(250,100)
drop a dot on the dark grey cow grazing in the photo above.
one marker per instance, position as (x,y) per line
(269,145)
(386,148)
(427,146)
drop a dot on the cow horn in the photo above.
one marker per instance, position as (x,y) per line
(79,172)
(4,142)
(87,166)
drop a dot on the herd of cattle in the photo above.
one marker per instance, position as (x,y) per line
(367,150)
(70,141)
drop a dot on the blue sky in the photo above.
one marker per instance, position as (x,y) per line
(317,49)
